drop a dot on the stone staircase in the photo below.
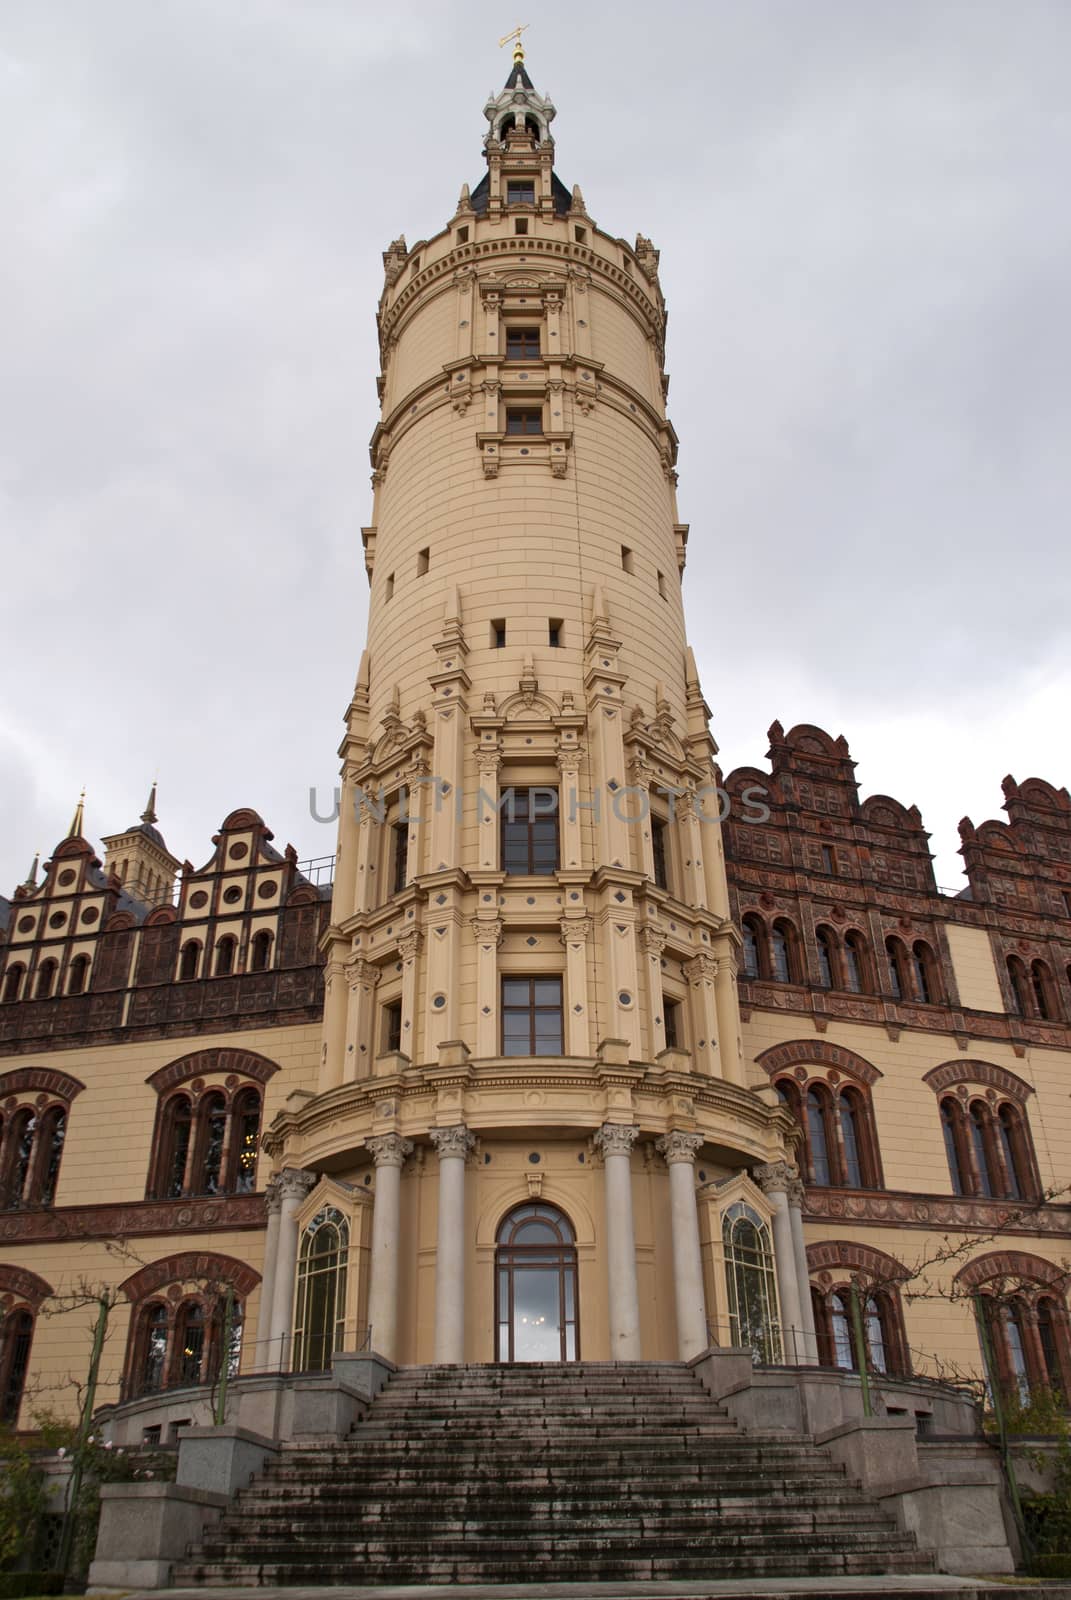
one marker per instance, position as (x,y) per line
(566,1473)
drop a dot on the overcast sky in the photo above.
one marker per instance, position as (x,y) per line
(862,211)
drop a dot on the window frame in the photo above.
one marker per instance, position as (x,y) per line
(509,820)
(533,1008)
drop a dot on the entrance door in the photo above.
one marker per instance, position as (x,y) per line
(535,1286)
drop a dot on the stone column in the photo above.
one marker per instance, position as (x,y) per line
(409,945)
(701,973)
(615,1141)
(487,932)
(809,1354)
(774,1180)
(453,1145)
(727,1007)
(652,943)
(389,1152)
(679,1150)
(575,932)
(294,1184)
(273,1201)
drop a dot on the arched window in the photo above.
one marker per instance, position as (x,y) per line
(1044,991)
(18,1156)
(153,1331)
(1052,1337)
(319,1322)
(783,963)
(851,1136)
(978,1130)
(226,949)
(959,1168)
(261,957)
(212,1120)
(173,1147)
(855,963)
(51,1137)
(46,977)
(925,970)
(13,981)
(245,1137)
(818,1136)
(883,1330)
(537,1314)
(1017,981)
(754,939)
(188,960)
(16,1338)
(76,978)
(751,1289)
(827,961)
(897,968)
(1009,1131)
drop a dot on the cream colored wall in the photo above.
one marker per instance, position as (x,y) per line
(976,974)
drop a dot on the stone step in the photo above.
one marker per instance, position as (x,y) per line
(392,1500)
(563,1545)
(422,1455)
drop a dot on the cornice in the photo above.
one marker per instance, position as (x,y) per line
(891,1208)
(133,1220)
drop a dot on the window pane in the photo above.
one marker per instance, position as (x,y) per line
(548,992)
(515,991)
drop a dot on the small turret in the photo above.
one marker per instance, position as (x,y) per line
(141,860)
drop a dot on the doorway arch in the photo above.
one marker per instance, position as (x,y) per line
(536,1293)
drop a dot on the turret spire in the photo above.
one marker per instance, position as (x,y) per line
(31,876)
(149,814)
(78,820)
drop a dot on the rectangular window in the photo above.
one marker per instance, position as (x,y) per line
(520,193)
(527,420)
(531,1016)
(828,862)
(521,225)
(662,586)
(530,831)
(580,235)
(658,849)
(554,633)
(390,588)
(671,1013)
(423,561)
(462,235)
(399,857)
(522,344)
(392,1026)
(498,635)
(626,558)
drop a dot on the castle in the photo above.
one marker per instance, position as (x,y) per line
(582,1048)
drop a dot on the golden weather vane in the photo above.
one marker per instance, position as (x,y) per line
(515,36)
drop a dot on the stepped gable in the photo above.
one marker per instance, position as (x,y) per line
(573,1473)
(1024,864)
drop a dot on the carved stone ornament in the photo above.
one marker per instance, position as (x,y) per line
(487,931)
(455,1141)
(701,969)
(293,1183)
(774,1175)
(616,1139)
(679,1146)
(409,945)
(362,971)
(653,940)
(389,1149)
(795,1193)
(576,929)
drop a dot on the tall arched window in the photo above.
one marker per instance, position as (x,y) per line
(827,961)
(153,1348)
(16,1337)
(751,1289)
(977,1128)
(212,1119)
(1044,991)
(190,1334)
(818,1136)
(173,1147)
(1009,1130)
(226,949)
(754,938)
(245,1138)
(50,1154)
(784,966)
(13,981)
(851,1136)
(1019,985)
(261,957)
(537,1315)
(18,1156)
(188,960)
(896,966)
(924,966)
(959,1168)
(46,978)
(855,962)
(883,1330)
(76,979)
(320,1316)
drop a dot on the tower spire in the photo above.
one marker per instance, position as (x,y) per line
(78,820)
(31,876)
(149,814)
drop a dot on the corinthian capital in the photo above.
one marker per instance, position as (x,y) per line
(653,940)
(774,1175)
(293,1183)
(616,1139)
(455,1141)
(361,971)
(575,930)
(701,969)
(389,1149)
(487,930)
(679,1146)
(409,944)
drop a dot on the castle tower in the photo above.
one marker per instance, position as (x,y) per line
(141,860)
(531,995)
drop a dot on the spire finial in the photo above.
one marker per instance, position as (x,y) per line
(78,820)
(515,36)
(149,814)
(31,876)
